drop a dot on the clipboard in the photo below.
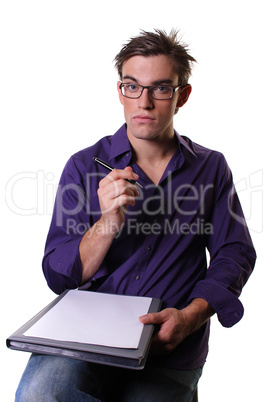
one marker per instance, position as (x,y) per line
(131,358)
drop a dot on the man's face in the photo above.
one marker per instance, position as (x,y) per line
(148,118)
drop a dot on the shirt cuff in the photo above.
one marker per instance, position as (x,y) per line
(62,267)
(228,307)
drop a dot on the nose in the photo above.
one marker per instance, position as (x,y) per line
(145,101)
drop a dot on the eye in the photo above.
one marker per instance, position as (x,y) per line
(162,89)
(131,88)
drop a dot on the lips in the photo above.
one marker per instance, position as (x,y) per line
(143,119)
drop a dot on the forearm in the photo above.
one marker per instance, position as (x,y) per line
(197,313)
(94,247)
(228,272)
(115,195)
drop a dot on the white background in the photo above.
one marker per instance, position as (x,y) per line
(58,95)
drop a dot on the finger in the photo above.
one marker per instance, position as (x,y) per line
(116,174)
(117,188)
(122,186)
(114,199)
(127,173)
(154,318)
(160,346)
(129,168)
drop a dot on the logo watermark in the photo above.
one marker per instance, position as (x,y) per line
(251,194)
(33,193)
(133,226)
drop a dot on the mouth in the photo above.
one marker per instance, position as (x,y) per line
(143,119)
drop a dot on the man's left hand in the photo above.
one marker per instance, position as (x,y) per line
(176,325)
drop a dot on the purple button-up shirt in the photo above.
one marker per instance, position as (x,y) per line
(161,249)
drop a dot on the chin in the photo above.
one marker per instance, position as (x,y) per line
(144,136)
(143,133)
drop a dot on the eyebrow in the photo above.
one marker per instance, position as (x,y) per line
(157,82)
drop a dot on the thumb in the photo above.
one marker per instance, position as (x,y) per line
(128,168)
(153,318)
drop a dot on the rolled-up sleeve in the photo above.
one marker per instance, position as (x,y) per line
(70,220)
(232,255)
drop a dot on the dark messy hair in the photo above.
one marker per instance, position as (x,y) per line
(158,43)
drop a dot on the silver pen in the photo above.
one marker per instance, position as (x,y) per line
(108,167)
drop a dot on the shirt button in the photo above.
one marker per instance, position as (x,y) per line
(148,248)
(137,277)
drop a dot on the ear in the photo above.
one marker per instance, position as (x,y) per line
(184,95)
(120,93)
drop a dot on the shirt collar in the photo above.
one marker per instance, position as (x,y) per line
(121,145)
(184,143)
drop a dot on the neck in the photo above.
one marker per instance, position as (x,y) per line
(153,155)
(153,151)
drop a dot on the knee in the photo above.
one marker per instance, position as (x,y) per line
(40,380)
(31,391)
(48,379)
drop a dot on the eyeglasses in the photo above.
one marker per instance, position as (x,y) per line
(159,92)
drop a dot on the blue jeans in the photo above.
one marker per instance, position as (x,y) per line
(51,378)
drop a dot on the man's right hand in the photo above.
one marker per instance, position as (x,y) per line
(115,195)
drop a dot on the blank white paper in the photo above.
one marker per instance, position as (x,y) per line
(95,318)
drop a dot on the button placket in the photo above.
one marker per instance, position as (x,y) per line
(146,249)
(145,255)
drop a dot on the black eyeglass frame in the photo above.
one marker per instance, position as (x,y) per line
(149,87)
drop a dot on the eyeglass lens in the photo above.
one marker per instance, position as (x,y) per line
(156,92)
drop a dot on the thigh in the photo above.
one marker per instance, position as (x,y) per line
(158,385)
(61,379)
(54,378)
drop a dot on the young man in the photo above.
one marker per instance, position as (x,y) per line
(111,235)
